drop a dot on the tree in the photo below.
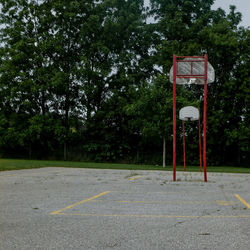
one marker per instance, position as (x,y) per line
(93,76)
(230,91)
(112,70)
(192,28)
(25,69)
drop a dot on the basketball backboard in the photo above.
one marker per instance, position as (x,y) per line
(189,113)
(191,70)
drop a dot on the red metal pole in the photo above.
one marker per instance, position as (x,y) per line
(184,153)
(205,120)
(174,117)
(200,141)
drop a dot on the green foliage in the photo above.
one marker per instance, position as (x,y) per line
(89,79)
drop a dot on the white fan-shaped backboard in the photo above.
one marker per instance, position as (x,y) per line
(191,69)
(189,113)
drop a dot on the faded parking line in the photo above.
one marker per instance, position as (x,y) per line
(136,177)
(156,215)
(170,202)
(78,203)
(242,201)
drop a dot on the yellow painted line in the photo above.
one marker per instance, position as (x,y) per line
(19,175)
(121,192)
(167,202)
(225,203)
(78,203)
(222,203)
(243,201)
(157,216)
(7,175)
(136,177)
(218,202)
(28,174)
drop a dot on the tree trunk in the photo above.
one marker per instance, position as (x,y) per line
(65,151)
(238,156)
(67,106)
(30,152)
(164,153)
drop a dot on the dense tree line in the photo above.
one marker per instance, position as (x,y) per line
(89,80)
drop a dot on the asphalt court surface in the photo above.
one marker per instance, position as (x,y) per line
(154,205)
(63,208)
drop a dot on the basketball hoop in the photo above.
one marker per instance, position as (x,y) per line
(189,113)
(191,70)
(191,81)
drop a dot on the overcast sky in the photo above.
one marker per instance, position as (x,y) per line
(242,6)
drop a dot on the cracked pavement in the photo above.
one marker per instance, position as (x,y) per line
(70,208)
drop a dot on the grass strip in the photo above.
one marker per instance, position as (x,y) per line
(13,164)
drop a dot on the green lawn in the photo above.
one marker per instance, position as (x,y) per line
(10,164)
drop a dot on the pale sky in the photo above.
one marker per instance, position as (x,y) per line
(242,6)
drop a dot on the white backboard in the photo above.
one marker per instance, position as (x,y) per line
(189,113)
